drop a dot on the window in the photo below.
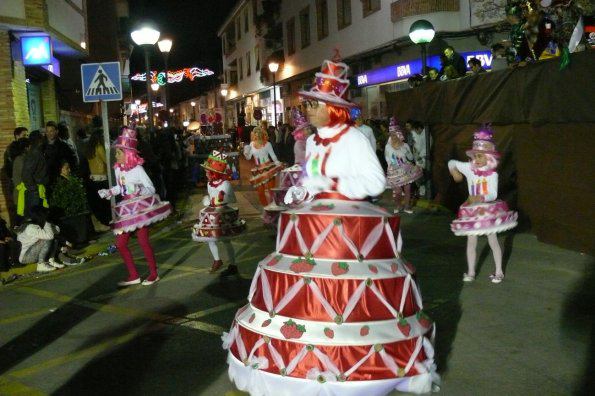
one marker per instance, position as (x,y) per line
(291,36)
(370,6)
(305,26)
(239,28)
(257,58)
(240,71)
(248,70)
(343,13)
(246,26)
(322,18)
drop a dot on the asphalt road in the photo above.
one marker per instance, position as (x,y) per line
(72,332)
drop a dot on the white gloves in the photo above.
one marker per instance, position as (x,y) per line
(206,201)
(105,193)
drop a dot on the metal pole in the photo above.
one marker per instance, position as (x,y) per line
(108,158)
(166,87)
(423,59)
(148,78)
(274,103)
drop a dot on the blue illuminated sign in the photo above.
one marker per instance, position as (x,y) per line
(401,71)
(36,50)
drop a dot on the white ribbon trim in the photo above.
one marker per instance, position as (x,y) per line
(389,362)
(373,238)
(296,360)
(326,361)
(353,300)
(290,225)
(266,291)
(391,239)
(291,293)
(415,353)
(277,358)
(381,298)
(361,361)
(256,345)
(348,241)
(321,237)
(404,293)
(254,283)
(325,304)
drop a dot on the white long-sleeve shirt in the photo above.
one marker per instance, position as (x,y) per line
(261,155)
(369,134)
(133,182)
(33,233)
(220,193)
(419,147)
(350,161)
(396,157)
(483,183)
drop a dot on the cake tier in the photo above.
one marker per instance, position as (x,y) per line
(341,299)
(337,229)
(403,174)
(217,222)
(263,173)
(138,212)
(484,218)
(364,361)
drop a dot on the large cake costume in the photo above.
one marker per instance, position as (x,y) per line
(482,213)
(335,310)
(218,221)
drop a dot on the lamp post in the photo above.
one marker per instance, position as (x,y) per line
(165,47)
(273,67)
(146,37)
(422,32)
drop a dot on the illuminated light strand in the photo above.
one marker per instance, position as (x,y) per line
(175,76)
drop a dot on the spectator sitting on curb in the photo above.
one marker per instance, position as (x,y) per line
(9,248)
(36,235)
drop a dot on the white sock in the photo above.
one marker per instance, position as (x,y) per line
(214,250)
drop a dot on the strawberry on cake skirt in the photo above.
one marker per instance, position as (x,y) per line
(335,310)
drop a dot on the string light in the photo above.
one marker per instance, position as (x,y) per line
(191,73)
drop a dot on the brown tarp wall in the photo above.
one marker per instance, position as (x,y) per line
(544,125)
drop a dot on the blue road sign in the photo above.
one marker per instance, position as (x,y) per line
(101,81)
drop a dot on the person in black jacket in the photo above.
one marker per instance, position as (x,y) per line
(455,60)
(56,151)
(10,248)
(35,173)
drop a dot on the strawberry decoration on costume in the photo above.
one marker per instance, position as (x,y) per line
(329,289)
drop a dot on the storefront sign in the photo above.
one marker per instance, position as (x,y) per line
(36,50)
(402,71)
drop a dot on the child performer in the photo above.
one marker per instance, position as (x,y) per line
(265,171)
(482,213)
(401,169)
(139,207)
(218,221)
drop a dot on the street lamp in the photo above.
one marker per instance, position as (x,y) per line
(422,32)
(155,87)
(165,47)
(273,67)
(224,90)
(193,104)
(146,37)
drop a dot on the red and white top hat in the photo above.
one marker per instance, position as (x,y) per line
(127,140)
(331,83)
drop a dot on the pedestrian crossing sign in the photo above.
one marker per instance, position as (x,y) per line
(101,81)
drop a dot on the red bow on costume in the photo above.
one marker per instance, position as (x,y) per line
(326,141)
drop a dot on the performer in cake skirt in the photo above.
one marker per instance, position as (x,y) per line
(482,213)
(335,309)
(217,220)
(138,208)
(267,165)
(401,169)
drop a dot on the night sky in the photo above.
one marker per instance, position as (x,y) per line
(193,26)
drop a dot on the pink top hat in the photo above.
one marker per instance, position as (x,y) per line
(395,130)
(483,142)
(331,83)
(300,122)
(127,140)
